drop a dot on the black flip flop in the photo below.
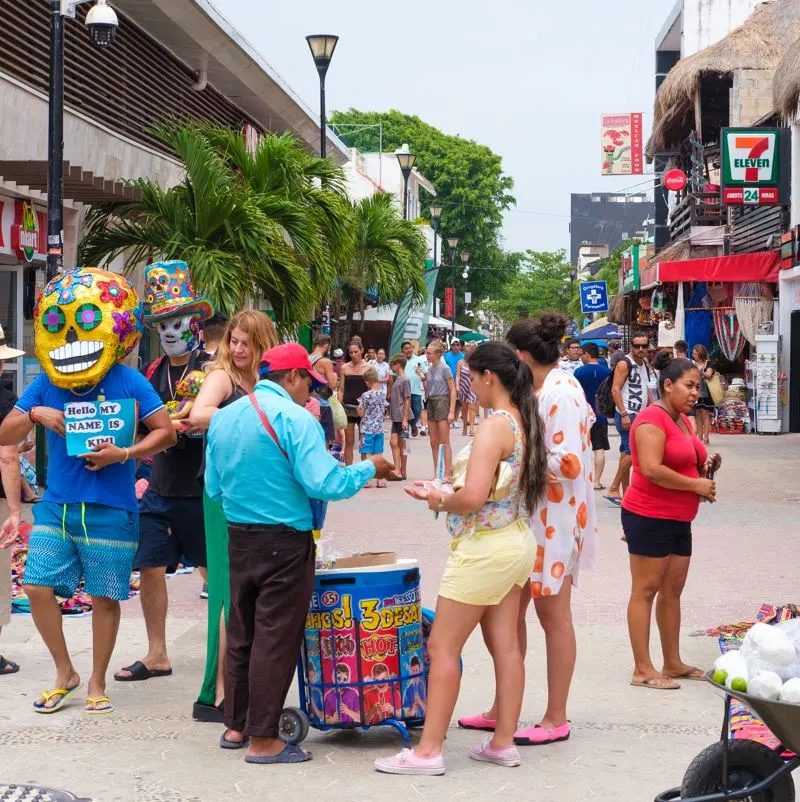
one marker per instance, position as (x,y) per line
(289,754)
(225,743)
(140,672)
(7,666)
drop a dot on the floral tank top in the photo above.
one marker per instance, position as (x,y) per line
(494,514)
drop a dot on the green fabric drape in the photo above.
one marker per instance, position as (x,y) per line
(219,591)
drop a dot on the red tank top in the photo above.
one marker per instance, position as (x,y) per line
(683,453)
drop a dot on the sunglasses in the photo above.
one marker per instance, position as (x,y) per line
(640,347)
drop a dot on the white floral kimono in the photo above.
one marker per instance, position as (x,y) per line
(565,524)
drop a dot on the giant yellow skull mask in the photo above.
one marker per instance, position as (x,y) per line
(86,320)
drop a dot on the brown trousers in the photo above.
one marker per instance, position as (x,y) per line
(272,578)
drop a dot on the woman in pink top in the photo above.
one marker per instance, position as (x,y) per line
(669,479)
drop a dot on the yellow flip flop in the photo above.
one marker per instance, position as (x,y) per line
(62,693)
(90,700)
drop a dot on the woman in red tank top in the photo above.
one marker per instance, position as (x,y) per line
(669,478)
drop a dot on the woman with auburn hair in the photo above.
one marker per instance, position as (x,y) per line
(231,376)
(564,523)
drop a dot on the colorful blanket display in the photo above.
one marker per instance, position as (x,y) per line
(744,725)
(729,334)
(699,323)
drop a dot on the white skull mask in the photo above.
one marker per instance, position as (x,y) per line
(179,336)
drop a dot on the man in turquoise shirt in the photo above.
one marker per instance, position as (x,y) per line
(265,459)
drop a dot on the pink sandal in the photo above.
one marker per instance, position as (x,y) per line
(539,736)
(479,722)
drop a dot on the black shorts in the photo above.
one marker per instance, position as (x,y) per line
(599,435)
(656,537)
(169,530)
(397,427)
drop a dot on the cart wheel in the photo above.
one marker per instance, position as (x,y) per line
(749,763)
(293,726)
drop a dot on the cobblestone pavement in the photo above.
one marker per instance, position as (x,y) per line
(627,743)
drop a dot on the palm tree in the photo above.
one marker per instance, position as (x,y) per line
(389,259)
(273,224)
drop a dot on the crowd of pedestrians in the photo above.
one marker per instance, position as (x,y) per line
(233,489)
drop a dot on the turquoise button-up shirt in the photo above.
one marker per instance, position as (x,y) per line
(255,482)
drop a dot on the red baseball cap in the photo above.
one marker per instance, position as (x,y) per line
(291,356)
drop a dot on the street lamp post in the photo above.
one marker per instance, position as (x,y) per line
(322,46)
(406,161)
(452,243)
(436,216)
(102,23)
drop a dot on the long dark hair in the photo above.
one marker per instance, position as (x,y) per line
(540,337)
(500,359)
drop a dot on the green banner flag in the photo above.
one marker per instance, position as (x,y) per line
(411,322)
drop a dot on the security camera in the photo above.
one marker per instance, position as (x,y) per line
(102,23)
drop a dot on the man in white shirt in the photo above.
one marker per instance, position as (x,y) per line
(572,361)
(415,385)
(631,396)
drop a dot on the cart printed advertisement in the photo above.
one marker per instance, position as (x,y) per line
(622,144)
(365,656)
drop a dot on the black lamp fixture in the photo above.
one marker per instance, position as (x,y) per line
(406,160)
(465,262)
(322,46)
(436,216)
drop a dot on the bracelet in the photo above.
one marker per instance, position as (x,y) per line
(127,455)
(31,415)
(441,504)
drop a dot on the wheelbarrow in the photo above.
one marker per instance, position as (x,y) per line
(741,769)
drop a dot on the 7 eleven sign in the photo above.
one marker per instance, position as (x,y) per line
(750,157)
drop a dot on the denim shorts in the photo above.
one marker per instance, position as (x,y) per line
(172,531)
(416,407)
(624,436)
(70,542)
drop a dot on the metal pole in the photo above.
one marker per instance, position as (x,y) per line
(55,148)
(406,174)
(435,237)
(323,142)
(453,273)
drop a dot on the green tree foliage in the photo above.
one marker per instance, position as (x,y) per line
(273,224)
(471,188)
(543,282)
(389,256)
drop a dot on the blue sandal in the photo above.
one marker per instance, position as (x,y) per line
(289,754)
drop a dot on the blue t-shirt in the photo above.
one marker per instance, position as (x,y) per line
(590,378)
(453,360)
(68,478)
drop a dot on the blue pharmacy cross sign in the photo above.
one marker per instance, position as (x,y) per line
(594,296)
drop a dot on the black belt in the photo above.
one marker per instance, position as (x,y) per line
(269,529)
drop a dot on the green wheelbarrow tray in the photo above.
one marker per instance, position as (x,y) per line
(782,719)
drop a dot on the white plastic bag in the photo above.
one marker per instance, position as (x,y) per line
(766,685)
(768,643)
(790,693)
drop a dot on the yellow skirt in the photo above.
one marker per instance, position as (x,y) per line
(482,569)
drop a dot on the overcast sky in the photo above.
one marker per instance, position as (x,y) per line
(528,78)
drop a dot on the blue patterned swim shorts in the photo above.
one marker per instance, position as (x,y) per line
(70,542)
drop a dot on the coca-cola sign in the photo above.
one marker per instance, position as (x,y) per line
(675,180)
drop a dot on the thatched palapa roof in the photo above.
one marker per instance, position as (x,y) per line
(786,84)
(758,44)
(683,250)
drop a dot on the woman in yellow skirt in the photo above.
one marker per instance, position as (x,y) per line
(491,555)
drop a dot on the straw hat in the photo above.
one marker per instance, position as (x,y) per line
(5,351)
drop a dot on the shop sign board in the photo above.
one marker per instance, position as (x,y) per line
(674,180)
(751,166)
(621,144)
(25,232)
(630,269)
(594,296)
(449,303)
(22,226)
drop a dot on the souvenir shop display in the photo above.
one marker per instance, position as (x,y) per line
(732,415)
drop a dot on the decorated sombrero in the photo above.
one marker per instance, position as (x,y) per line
(168,293)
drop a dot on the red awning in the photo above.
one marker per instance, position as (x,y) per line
(761,266)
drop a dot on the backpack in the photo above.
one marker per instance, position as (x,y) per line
(604,400)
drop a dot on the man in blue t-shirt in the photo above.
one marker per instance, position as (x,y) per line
(590,376)
(86,525)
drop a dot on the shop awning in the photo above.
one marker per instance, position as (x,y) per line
(761,266)
(79,185)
